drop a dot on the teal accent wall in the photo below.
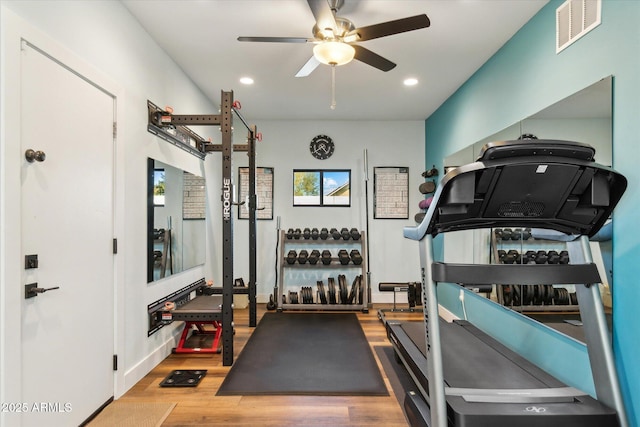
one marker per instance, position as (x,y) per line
(525,76)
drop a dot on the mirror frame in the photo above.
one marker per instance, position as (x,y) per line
(179,245)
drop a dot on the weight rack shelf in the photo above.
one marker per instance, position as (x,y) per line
(521,245)
(314,272)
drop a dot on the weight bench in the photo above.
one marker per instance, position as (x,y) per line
(413,290)
(199,312)
(538,184)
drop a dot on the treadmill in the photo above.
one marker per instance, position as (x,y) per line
(463,377)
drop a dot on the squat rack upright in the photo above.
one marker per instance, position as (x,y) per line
(164,119)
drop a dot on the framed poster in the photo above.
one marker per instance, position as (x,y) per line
(194,204)
(390,192)
(264,192)
(322,187)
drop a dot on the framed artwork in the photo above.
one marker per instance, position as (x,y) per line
(264,192)
(193,196)
(390,192)
(322,187)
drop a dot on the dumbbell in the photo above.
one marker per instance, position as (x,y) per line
(326,257)
(335,234)
(501,254)
(356,258)
(516,234)
(314,257)
(506,234)
(306,233)
(355,234)
(289,234)
(315,233)
(526,234)
(541,257)
(297,233)
(324,233)
(529,257)
(303,256)
(419,217)
(427,187)
(291,256)
(553,257)
(564,257)
(344,232)
(425,203)
(343,256)
(511,257)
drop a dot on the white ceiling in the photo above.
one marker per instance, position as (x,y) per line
(201,36)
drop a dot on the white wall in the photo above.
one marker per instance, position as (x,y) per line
(285,147)
(104,36)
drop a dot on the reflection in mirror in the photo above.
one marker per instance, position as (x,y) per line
(175,220)
(585,117)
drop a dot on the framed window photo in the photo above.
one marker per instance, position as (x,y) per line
(322,187)
(264,192)
(158,187)
(390,192)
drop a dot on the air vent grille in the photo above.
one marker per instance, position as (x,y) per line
(574,19)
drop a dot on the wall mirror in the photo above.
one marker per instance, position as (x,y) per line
(585,116)
(176,231)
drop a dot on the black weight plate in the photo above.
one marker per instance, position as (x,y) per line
(332,290)
(353,291)
(531,290)
(321,293)
(360,290)
(574,298)
(517,295)
(342,283)
(507,295)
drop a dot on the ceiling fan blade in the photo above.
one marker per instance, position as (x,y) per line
(275,39)
(323,14)
(392,27)
(373,59)
(308,68)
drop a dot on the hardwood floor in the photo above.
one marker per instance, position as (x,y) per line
(200,406)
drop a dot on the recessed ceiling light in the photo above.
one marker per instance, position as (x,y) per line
(410,81)
(246,80)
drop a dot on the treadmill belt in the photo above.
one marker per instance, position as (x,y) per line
(478,371)
(469,362)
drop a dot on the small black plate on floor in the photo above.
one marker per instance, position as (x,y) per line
(184,378)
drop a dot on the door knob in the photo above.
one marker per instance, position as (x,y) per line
(32,155)
(32,290)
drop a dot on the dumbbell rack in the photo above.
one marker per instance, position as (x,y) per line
(546,303)
(292,277)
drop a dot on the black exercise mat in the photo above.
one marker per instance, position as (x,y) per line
(306,354)
(184,378)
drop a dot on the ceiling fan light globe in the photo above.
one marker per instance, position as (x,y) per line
(334,53)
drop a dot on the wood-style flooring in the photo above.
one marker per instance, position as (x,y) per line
(199,406)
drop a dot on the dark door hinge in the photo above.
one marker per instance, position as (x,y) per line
(115,246)
(115,362)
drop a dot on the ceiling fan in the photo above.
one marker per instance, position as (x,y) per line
(336,38)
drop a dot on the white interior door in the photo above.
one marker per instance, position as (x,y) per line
(67,220)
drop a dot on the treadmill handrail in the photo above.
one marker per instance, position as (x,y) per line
(522,274)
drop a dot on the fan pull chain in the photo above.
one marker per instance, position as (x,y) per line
(333,86)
